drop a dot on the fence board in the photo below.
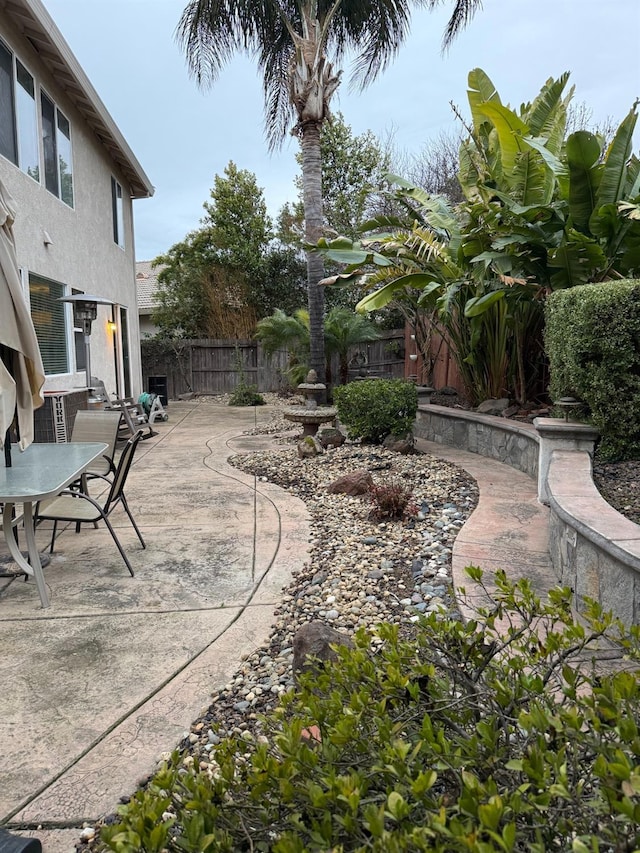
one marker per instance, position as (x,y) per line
(217,366)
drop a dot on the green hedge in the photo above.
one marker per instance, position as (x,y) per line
(375,408)
(592,339)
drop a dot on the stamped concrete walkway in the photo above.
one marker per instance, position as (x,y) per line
(509,529)
(95,688)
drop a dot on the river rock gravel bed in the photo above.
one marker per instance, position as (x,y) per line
(360,572)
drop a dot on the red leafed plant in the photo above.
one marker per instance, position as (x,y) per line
(391,501)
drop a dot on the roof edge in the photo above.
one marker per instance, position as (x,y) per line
(50,44)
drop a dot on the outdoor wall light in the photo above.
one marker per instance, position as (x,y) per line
(85,311)
(111,325)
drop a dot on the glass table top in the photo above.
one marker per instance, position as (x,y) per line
(42,470)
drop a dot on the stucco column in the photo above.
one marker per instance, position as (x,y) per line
(558,434)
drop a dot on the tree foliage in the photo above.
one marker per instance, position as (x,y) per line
(354,167)
(343,329)
(297,47)
(227,274)
(542,211)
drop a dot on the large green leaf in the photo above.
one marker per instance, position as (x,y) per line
(532,181)
(342,250)
(583,151)
(605,221)
(630,260)
(542,114)
(510,130)
(477,305)
(577,260)
(428,297)
(381,298)
(469,172)
(497,261)
(613,181)
(480,91)
(555,164)
(632,190)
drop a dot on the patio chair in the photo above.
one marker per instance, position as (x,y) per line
(81,508)
(102,427)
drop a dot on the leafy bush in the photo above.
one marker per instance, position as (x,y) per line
(481,737)
(246,395)
(592,340)
(390,501)
(375,408)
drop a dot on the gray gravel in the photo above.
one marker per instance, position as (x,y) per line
(619,485)
(360,572)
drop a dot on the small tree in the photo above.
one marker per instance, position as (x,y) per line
(224,276)
(343,329)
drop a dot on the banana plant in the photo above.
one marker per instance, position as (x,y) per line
(600,240)
(513,153)
(540,213)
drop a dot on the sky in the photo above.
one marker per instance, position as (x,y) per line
(183,136)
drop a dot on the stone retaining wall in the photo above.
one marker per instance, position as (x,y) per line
(594,549)
(511,442)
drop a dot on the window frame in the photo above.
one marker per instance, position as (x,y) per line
(52,167)
(59,340)
(117,211)
(12,142)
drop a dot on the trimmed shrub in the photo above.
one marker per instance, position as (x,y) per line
(592,339)
(375,408)
(246,395)
(467,738)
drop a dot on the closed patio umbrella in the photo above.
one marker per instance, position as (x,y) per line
(21,370)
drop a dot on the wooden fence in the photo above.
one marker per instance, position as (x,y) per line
(219,366)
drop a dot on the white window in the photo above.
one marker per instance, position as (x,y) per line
(18,116)
(50,322)
(118,213)
(56,143)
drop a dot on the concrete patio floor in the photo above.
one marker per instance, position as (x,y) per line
(97,686)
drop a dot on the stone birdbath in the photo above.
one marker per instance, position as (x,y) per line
(311,415)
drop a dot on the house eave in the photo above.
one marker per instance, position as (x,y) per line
(36,25)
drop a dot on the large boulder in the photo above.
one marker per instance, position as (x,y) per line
(356,483)
(309,447)
(330,437)
(312,645)
(399,445)
(493,407)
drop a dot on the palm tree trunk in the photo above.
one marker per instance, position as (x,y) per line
(312,196)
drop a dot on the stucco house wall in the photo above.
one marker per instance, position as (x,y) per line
(75,246)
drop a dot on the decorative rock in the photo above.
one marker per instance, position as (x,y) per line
(399,445)
(355,483)
(309,447)
(493,407)
(312,643)
(330,437)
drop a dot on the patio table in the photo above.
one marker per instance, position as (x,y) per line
(38,473)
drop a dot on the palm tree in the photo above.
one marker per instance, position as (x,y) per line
(296,43)
(344,329)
